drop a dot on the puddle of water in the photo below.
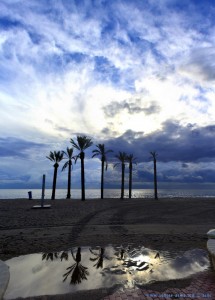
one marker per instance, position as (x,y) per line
(93,268)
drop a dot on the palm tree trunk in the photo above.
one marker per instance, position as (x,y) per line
(123,179)
(82,177)
(69,182)
(155,179)
(54,182)
(130,179)
(102,179)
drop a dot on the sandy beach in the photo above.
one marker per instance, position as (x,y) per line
(168,224)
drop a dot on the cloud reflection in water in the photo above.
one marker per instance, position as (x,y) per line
(94,268)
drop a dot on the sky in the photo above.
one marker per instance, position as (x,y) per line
(136,75)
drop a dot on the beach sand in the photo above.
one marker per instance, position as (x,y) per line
(177,223)
(164,224)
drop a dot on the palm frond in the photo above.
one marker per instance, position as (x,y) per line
(122,156)
(153,154)
(94,253)
(131,159)
(55,156)
(96,153)
(69,152)
(58,156)
(101,151)
(65,165)
(51,156)
(83,142)
(76,157)
(76,146)
(117,164)
(94,259)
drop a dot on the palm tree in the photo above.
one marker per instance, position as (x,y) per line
(154,155)
(101,152)
(68,154)
(131,159)
(83,142)
(122,156)
(56,157)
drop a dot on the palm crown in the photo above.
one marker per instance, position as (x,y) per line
(131,159)
(154,154)
(83,142)
(68,153)
(101,152)
(122,156)
(55,156)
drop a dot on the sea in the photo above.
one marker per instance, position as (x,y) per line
(108,193)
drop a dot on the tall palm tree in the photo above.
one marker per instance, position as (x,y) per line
(131,159)
(83,142)
(56,157)
(122,156)
(101,152)
(154,157)
(68,163)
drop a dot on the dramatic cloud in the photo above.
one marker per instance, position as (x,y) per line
(136,75)
(201,64)
(115,108)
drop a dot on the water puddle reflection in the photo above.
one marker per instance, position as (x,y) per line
(85,268)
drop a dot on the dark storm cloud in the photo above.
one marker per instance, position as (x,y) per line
(173,143)
(115,108)
(14,147)
(184,165)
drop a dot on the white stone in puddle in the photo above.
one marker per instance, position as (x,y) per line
(30,276)
(211,234)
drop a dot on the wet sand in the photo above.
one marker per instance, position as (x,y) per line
(163,224)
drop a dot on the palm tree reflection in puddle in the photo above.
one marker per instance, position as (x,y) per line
(99,257)
(49,255)
(77,271)
(64,255)
(125,265)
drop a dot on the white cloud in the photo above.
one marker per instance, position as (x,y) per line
(49,95)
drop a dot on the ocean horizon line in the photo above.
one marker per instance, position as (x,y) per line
(108,193)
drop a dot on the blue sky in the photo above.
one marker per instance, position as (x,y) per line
(136,75)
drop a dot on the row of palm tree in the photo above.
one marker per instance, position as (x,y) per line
(83,142)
